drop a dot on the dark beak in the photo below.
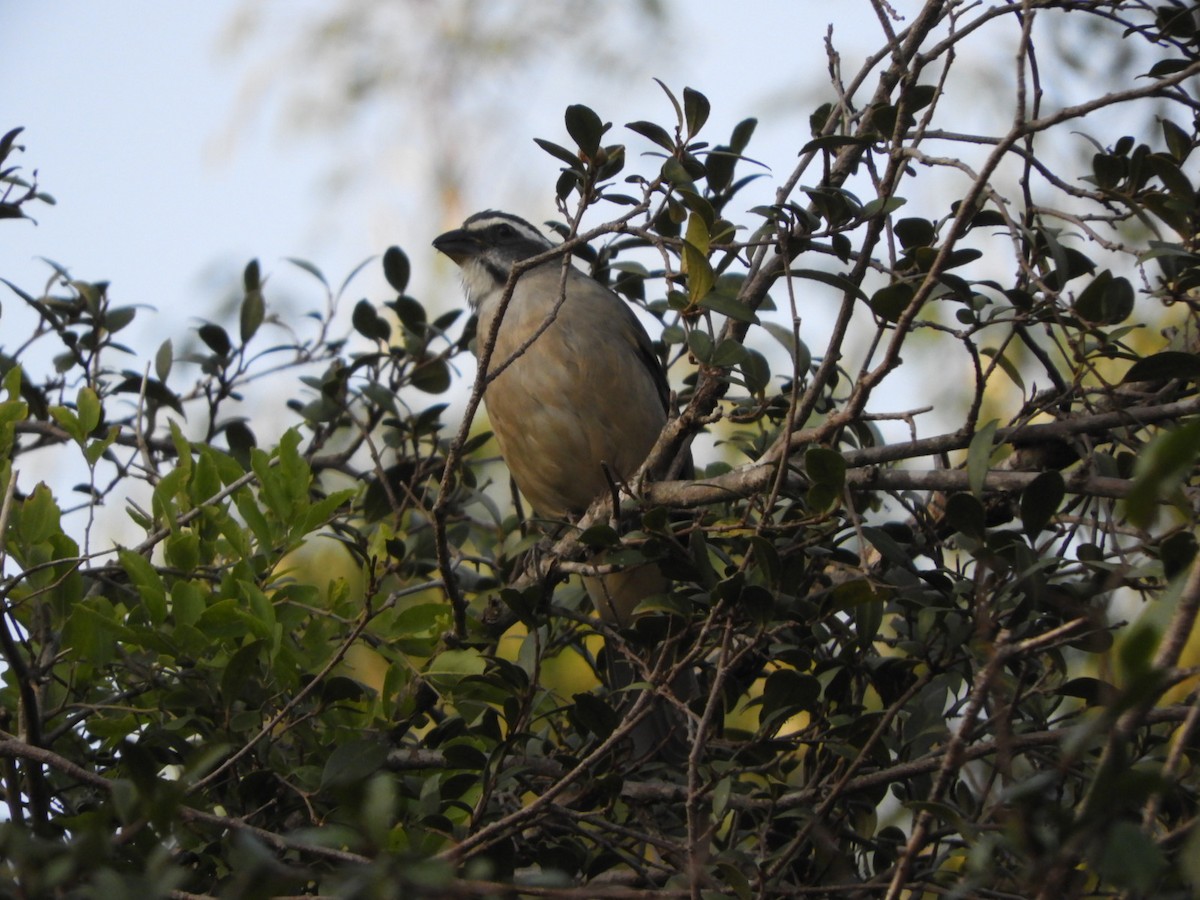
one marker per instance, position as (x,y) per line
(459,244)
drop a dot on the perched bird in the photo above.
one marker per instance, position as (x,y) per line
(578,407)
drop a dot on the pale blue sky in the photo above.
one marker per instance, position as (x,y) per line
(123,105)
(127,109)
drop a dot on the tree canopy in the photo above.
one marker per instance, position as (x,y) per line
(936,570)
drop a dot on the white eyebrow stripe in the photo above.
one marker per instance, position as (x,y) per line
(485,220)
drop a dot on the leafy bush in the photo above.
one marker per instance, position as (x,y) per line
(961,663)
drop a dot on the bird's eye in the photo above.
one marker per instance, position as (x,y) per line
(505,231)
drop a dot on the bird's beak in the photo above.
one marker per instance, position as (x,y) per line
(459,244)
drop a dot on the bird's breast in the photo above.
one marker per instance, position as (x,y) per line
(575,400)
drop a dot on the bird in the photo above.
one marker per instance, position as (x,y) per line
(575,411)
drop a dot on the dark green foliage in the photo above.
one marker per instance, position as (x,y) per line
(330,660)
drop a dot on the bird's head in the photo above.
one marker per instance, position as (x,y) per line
(486,247)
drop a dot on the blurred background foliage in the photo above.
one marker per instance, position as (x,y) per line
(937,569)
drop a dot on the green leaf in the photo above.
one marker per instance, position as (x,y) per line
(987,218)
(432,377)
(881,206)
(453,665)
(227,619)
(241,673)
(756,371)
(961,257)
(182,550)
(260,605)
(69,422)
(187,602)
(1006,365)
(206,479)
(241,441)
(675,174)
(310,269)
(585,128)
(321,512)
(653,132)
(216,338)
(558,152)
(979,456)
(40,516)
(1169,67)
(156,393)
(823,497)
(818,119)
(914,232)
(1163,366)
(1177,553)
(965,513)
(834,142)
(890,301)
(87,402)
(8,141)
(699,271)
(396,269)
(1106,300)
(1179,142)
(251,277)
(148,582)
(742,132)
(699,233)
(568,181)
(700,343)
(1161,468)
(674,102)
(12,382)
(272,487)
(97,448)
(293,467)
(367,322)
(1108,170)
(888,546)
(410,312)
(1040,501)
(868,617)
(252,314)
(920,96)
(93,630)
(825,466)
(591,715)
(797,349)
(1129,858)
(695,110)
(1092,691)
(599,537)
(163,359)
(116,318)
(787,692)
(720,302)
(728,353)
(252,513)
(166,494)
